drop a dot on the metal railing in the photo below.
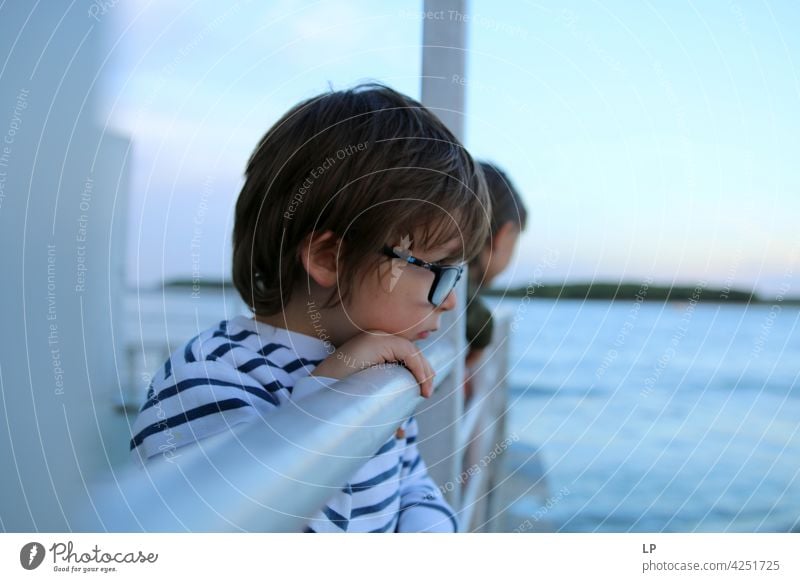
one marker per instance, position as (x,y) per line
(275,475)
(271,476)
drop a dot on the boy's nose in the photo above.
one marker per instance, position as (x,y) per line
(450,302)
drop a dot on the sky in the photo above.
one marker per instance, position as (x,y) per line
(648,140)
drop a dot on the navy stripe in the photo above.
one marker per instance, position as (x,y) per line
(269,348)
(259,391)
(386,447)
(308,530)
(188,355)
(300,363)
(237,337)
(375,480)
(415,463)
(390,525)
(222,350)
(373,508)
(339,520)
(411,440)
(188,416)
(275,386)
(251,365)
(441,508)
(168,368)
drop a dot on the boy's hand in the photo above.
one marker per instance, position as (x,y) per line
(372,348)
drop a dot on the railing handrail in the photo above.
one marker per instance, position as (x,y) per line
(271,476)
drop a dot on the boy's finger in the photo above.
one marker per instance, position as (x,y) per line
(406,352)
(431,375)
(427,386)
(418,369)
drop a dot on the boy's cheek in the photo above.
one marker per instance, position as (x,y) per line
(401,311)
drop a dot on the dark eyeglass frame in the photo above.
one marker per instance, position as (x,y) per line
(436,269)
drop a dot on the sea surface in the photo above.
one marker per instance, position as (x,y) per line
(647,416)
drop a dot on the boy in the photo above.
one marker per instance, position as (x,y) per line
(358,211)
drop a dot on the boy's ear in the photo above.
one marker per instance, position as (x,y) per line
(318,253)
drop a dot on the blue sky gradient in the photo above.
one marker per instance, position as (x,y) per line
(648,139)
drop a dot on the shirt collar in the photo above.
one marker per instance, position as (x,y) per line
(305,346)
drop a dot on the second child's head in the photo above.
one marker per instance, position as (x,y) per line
(509,218)
(340,185)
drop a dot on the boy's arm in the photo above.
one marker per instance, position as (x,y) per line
(422,506)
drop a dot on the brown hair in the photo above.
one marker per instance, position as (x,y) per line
(369,164)
(507,204)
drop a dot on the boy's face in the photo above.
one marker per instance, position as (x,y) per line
(396,299)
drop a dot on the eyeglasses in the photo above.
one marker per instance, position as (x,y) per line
(445,277)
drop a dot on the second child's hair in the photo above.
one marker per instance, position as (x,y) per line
(370,164)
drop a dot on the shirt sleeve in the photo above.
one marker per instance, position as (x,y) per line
(422,505)
(194,401)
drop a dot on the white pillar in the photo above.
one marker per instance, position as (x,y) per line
(443,68)
(62,257)
(444,39)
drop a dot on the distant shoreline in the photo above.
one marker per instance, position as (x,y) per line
(602,291)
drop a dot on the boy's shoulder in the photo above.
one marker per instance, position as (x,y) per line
(246,345)
(228,373)
(213,343)
(243,352)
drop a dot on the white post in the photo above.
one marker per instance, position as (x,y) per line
(444,39)
(62,254)
(443,67)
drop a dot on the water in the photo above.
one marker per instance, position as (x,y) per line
(645,417)
(659,417)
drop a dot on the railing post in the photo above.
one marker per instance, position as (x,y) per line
(443,69)
(444,41)
(262,476)
(63,206)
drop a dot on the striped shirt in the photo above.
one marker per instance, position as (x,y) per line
(243,370)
